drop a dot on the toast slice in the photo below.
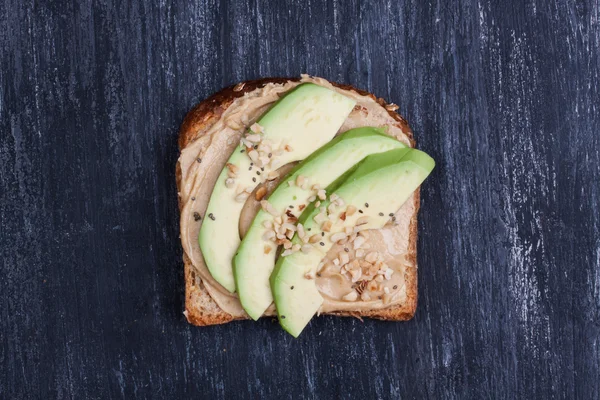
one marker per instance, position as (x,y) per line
(200,308)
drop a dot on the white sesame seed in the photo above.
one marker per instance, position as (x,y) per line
(229,182)
(268,207)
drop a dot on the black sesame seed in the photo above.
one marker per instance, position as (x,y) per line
(322,244)
(322,233)
(262,168)
(257,172)
(193,198)
(393,219)
(251,163)
(379,297)
(360,211)
(270,155)
(250,169)
(283,317)
(197,217)
(199,159)
(291,287)
(242,151)
(255,146)
(211,216)
(391,214)
(346,249)
(395,287)
(309,229)
(381,214)
(253,179)
(367,205)
(291,206)
(318,274)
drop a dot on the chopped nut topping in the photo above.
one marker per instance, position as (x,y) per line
(301,207)
(359,241)
(365,296)
(314,238)
(391,107)
(240,198)
(239,86)
(312,198)
(268,235)
(267,249)
(362,220)
(352,296)
(306,248)
(254,138)
(372,257)
(287,244)
(326,227)
(253,154)
(286,253)
(232,167)
(268,207)
(343,216)
(359,253)
(386,290)
(300,180)
(337,236)
(296,247)
(309,274)
(272,175)
(321,194)
(260,193)
(350,210)
(256,128)
(288,148)
(229,182)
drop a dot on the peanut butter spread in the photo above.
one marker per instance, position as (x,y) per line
(202,161)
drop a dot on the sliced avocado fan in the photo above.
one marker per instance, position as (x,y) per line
(303,120)
(255,258)
(380,183)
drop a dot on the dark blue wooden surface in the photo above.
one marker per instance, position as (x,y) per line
(504,95)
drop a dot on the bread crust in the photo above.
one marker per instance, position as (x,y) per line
(200,308)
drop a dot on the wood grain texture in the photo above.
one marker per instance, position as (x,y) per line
(504,95)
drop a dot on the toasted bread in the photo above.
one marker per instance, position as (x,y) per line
(200,308)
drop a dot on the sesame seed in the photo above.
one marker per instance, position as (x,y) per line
(283,317)
(393,219)
(211,216)
(367,205)
(251,163)
(291,287)
(262,168)
(291,206)
(250,169)
(346,249)
(257,172)
(193,198)
(391,214)
(270,155)
(319,274)
(395,287)
(381,214)
(322,233)
(199,159)
(197,217)
(253,179)
(360,211)
(242,151)
(255,146)
(322,244)
(309,229)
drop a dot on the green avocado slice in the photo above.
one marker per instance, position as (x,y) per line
(303,120)
(383,181)
(255,258)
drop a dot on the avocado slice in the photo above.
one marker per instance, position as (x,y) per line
(380,184)
(303,120)
(254,262)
